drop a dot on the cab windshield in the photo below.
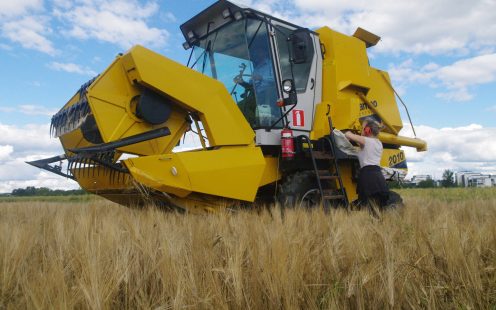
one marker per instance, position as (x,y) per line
(238,55)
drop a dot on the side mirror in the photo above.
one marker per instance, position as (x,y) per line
(301,43)
(288,87)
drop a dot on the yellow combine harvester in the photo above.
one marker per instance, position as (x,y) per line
(262,99)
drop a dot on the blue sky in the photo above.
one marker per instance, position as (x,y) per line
(441,56)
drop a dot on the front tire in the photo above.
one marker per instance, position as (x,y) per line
(394,201)
(299,189)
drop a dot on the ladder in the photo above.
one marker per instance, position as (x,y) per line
(326,178)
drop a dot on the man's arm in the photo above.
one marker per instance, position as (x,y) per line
(356,138)
(239,80)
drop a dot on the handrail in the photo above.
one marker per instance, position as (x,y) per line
(376,111)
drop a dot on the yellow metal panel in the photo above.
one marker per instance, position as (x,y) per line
(233,172)
(373,106)
(73,139)
(221,118)
(164,173)
(100,178)
(345,168)
(112,98)
(345,61)
(113,94)
(345,71)
(347,75)
(109,98)
(321,123)
(383,99)
(228,172)
(271,172)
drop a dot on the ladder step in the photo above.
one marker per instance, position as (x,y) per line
(328,177)
(322,155)
(332,197)
(323,172)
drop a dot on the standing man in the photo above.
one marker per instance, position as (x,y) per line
(371,187)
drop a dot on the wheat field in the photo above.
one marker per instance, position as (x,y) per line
(439,252)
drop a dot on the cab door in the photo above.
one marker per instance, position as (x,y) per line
(297,52)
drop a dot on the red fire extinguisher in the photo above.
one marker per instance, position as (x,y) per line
(287,144)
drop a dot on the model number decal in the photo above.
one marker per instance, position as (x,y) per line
(396,158)
(364,106)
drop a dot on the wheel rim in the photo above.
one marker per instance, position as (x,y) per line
(310,199)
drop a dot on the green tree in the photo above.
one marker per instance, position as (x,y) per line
(427,183)
(44,191)
(448,179)
(399,184)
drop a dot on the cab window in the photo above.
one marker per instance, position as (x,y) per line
(301,71)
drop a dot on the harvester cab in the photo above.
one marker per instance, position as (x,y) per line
(263,96)
(268,65)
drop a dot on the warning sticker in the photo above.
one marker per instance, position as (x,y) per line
(298,118)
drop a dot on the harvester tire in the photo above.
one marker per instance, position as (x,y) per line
(299,189)
(394,201)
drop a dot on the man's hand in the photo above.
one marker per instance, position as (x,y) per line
(238,80)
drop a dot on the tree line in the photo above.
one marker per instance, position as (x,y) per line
(44,191)
(448,180)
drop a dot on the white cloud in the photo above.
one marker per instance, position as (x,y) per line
(460,94)
(30,32)
(19,7)
(35,83)
(26,143)
(7,109)
(405,26)
(29,109)
(477,70)
(22,22)
(407,72)
(5,47)
(40,179)
(71,68)
(29,137)
(457,148)
(5,151)
(118,22)
(62,4)
(168,17)
(457,78)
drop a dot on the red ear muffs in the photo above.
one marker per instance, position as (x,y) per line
(367,131)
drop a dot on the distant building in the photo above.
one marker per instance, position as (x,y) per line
(460,177)
(475,179)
